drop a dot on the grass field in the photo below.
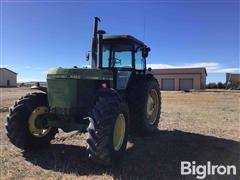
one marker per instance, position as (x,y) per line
(196,126)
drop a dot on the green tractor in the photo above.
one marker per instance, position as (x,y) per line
(113,99)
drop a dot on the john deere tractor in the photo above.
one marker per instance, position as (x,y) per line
(113,99)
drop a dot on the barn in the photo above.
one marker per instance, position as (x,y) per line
(8,78)
(181,78)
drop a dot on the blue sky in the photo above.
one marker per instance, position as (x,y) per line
(36,35)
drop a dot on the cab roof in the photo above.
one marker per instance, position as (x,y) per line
(123,37)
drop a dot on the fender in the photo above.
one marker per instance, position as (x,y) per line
(40,88)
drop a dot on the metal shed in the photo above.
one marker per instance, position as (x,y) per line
(8,78)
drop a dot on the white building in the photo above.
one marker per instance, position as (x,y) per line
(181,78)
(8,78)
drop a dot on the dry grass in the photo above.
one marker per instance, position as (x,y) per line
(200,126)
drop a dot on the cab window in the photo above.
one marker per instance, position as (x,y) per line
(106,55)
(121,56)
(139,60)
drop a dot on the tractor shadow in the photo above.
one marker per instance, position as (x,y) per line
(153,157)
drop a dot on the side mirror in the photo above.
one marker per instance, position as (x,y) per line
(145,52)
(87,56)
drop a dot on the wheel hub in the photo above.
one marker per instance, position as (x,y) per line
(119,132)
(34,130)
(152,106)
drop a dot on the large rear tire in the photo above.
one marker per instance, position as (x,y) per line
(21,127)
(108,130)
(144,102)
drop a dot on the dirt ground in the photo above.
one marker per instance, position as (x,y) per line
(195,126)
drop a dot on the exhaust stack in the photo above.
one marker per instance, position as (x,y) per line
(95,42)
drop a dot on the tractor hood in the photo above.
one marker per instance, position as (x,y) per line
(71,90)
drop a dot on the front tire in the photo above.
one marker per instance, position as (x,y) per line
(20,125)
(108,130)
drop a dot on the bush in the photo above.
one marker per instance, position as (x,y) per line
(213,85)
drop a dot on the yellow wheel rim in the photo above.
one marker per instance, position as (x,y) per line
(152,106)
(32,122)
(119,132)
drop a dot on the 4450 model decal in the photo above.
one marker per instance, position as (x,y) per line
(60,76)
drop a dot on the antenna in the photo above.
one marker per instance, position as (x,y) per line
(144,27)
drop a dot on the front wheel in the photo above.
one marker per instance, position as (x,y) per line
(108,130)
(21,122)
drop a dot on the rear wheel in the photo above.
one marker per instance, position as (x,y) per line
(21,122)
(144,102)
(152,106)
(108,130)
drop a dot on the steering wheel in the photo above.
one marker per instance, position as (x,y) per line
(116,61)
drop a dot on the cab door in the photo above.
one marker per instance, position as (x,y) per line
(122,62)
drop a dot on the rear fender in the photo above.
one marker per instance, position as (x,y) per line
(40,88)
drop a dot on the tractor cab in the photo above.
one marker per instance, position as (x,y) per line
(124,55)
(123,52)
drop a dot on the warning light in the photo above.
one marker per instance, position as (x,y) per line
(104,85)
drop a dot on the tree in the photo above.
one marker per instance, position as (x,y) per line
(211,85)
(220,85)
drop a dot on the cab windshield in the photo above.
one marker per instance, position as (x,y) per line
(117,56)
